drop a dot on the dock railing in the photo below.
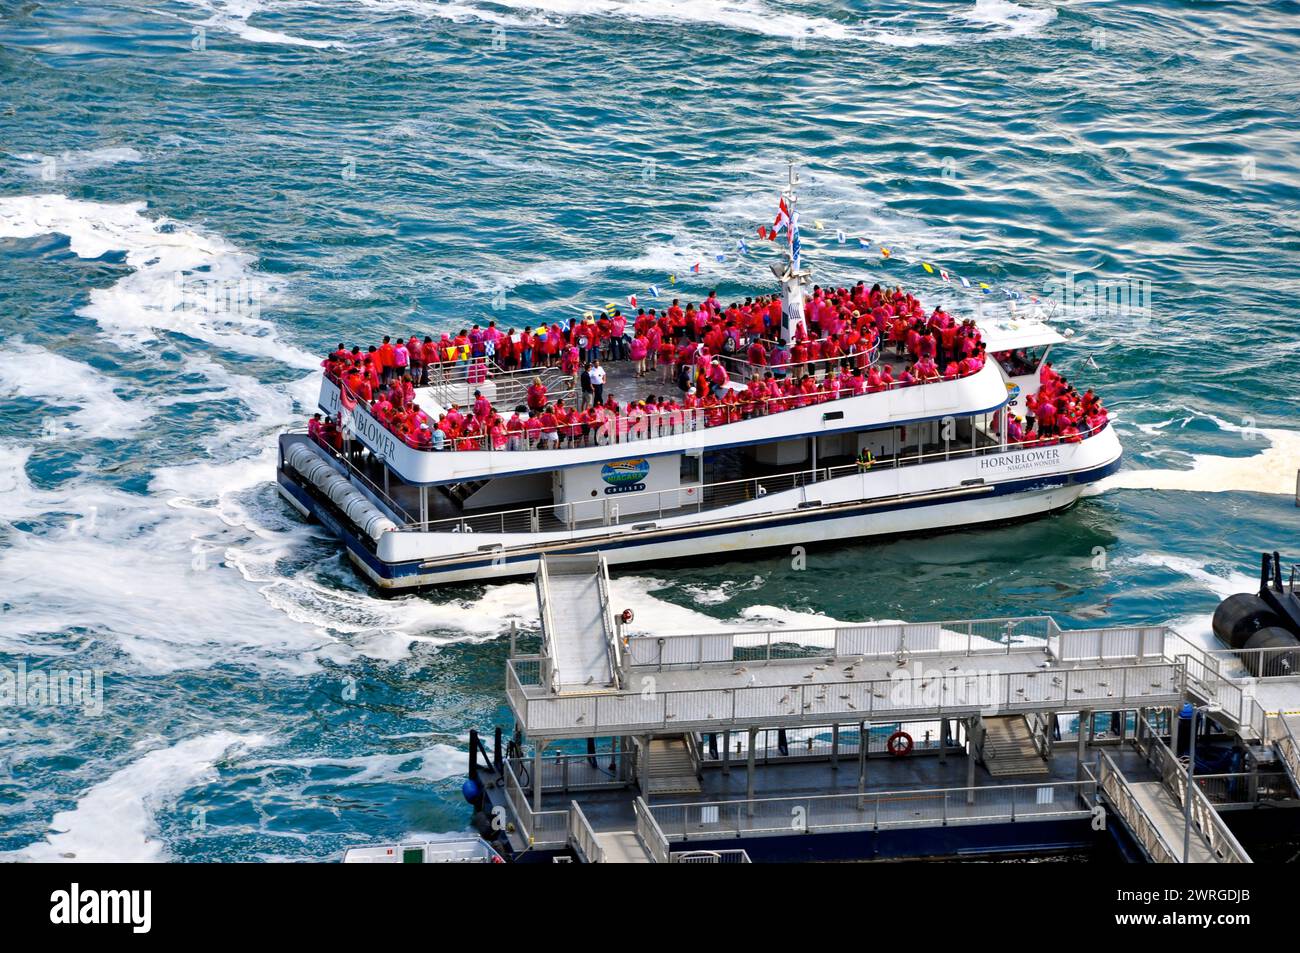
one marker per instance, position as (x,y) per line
(843,700)
(734,856)
(1280,662)
(1121,797)
(875,810)
(551,674)
(877,640)
(649,832)
(582,838)
(599,771)
(613,645)
(1287,748)
(541,829)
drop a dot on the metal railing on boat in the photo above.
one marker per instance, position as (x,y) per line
(693,498)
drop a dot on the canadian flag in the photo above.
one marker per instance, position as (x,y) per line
(345,396)
(631,299)
(782,218)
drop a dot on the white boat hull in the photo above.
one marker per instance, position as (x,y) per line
(887,502)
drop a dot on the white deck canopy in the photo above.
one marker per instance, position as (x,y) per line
(1014,333)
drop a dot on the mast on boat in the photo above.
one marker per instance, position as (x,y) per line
(794,278)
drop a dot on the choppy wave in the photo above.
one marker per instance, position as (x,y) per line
(232,16)
(182,279)
(32,373)
(113,822)
(73,162)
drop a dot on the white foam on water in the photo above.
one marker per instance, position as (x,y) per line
(75,161)
(1221,586)
(1018,20)
(193,573)
(33,372)
(656,616)
(146,578)
(183,279)
(435,763)
(232,16)
(114,821)
(743,16)
(1272,470)
(722,592)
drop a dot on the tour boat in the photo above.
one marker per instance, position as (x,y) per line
(908,457)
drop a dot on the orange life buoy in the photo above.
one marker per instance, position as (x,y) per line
(899,744)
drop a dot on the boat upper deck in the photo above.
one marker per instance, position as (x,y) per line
(679,430)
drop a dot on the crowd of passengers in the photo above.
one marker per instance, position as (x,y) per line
(833,354)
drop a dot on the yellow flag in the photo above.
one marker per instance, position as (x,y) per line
(926,266)
(819,224)
(885,252)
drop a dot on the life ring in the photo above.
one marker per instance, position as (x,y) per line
(899,744)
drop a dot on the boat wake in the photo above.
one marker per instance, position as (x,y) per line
(991,19)
(114,821)
(1272,470)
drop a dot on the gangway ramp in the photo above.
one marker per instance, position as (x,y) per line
(573,601)
(1152,811)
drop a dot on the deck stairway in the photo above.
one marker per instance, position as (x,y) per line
(461,492)
(573,602)
(1009,749)
(672,767)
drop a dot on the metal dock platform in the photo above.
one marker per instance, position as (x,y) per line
(867,741)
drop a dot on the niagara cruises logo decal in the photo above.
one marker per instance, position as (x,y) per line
(625,476)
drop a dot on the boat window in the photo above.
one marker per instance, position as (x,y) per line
(1022,360)
(412,855)
(690,469)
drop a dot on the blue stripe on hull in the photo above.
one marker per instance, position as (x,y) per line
(396,571)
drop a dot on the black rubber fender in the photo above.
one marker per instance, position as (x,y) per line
(1240,616)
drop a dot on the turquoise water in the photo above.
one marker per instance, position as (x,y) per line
(197,198)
